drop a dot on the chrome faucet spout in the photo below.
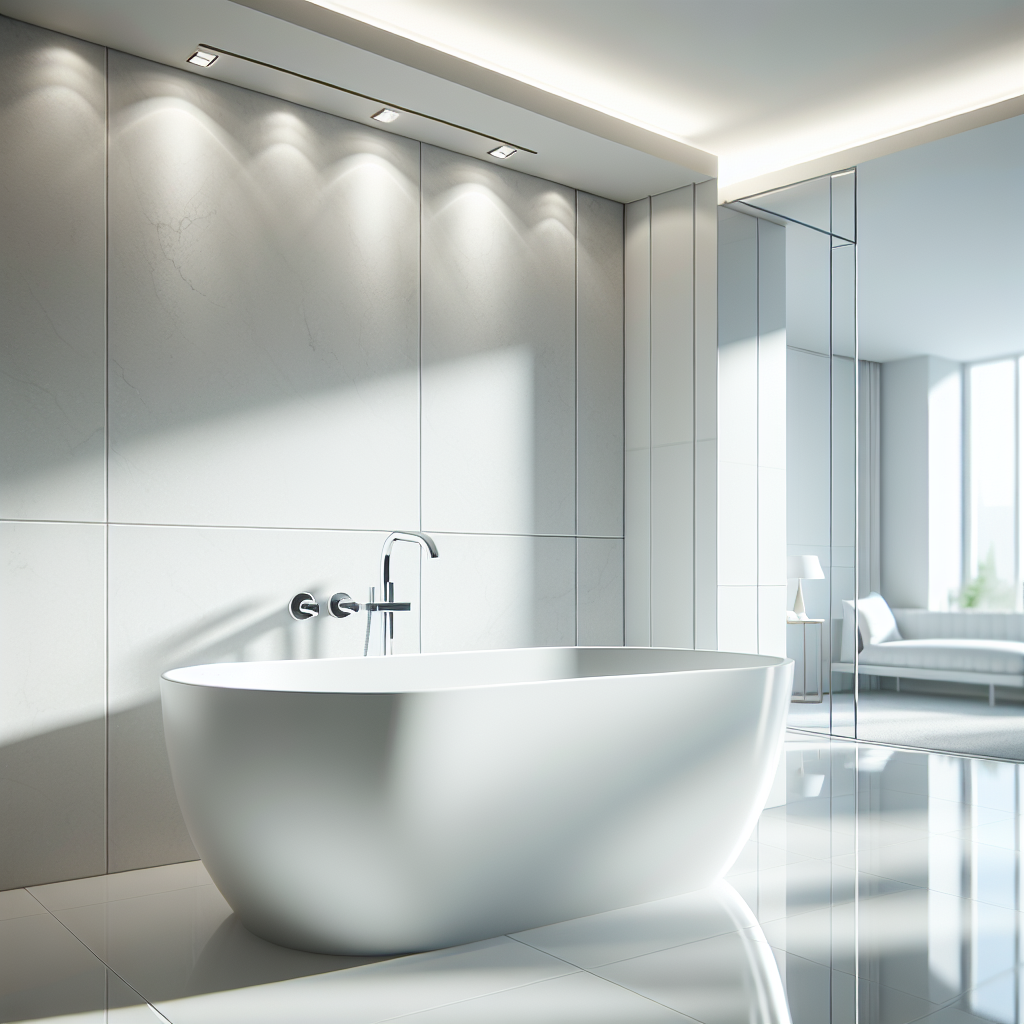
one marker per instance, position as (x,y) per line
(387,588)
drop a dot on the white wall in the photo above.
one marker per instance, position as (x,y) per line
(752,435)
(307,333)
(671,419)
(921,493)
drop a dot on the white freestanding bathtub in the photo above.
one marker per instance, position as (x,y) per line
(386,805)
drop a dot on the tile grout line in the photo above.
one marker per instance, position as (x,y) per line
(419,381)
(106,459)
(585,970)
(576,418)
(100,960)
(304,529)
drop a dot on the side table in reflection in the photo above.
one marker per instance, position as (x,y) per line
(815,695)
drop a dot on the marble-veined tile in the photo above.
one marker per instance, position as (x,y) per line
(263,309)
(52,275)
(499,349)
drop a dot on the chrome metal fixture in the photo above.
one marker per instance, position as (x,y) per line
(502,152)
(303,606)
(202,58)
(205,55)
(341,606)
(388,606)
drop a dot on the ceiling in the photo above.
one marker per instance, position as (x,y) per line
(763,84)
(574,144)
(624,98)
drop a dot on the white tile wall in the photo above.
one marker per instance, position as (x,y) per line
(672,546)
(263,309)
(52,701)
(499,349)
(494,592)
(599,592)
(52,121)
(672,317)
(671,359)
(752,444)
(737,619)
(599,367)
(276,277)
(637,344)
(637,548)
(188,595)
(637,319)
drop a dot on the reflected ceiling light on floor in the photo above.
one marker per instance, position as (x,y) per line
(502,152)
(387,115)
(202,58)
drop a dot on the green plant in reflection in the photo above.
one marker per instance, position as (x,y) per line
(987,590)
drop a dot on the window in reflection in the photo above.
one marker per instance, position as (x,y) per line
(992,578)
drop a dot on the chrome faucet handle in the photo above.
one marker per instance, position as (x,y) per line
(341,606)
(303,606)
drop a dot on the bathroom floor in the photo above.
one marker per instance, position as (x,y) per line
(881,885)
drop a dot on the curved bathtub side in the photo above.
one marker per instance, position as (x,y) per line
(381,823)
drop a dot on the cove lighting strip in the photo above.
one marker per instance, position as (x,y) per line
(205,50)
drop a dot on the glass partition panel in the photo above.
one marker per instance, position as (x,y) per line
(844,480)
(819,217)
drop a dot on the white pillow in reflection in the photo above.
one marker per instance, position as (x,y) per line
(877,625)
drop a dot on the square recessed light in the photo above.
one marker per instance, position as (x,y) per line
(202,58)
(502,152)
(387,115)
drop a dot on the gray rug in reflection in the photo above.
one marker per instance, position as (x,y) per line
(958,724)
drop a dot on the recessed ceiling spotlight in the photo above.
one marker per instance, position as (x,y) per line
(202,58)
(502,152)
(386,114)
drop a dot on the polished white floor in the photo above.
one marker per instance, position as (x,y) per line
(966,725)
(881,885)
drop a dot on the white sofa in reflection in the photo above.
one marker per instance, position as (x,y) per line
(986,648)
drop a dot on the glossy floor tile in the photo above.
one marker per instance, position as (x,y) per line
(880,886)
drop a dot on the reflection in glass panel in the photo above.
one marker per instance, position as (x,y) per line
(807,203)
(991,579)
(820,420)
(844,206)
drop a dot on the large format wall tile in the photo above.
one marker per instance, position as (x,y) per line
(599,367)
(672,317)
(493,592)
(499,390)
(637,548)
(52,288)
(599,587)
(52,697)
(636,287)
(672,594)
(187,596)
(263,309)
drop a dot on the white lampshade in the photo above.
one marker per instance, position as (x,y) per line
(804,567)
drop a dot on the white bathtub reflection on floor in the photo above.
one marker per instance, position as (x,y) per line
(388,805)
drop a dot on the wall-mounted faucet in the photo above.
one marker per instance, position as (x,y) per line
(387,604)
(305,606)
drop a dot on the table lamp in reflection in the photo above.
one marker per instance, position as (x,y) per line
(800,568)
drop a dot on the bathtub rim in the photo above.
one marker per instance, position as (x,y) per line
(748,663)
